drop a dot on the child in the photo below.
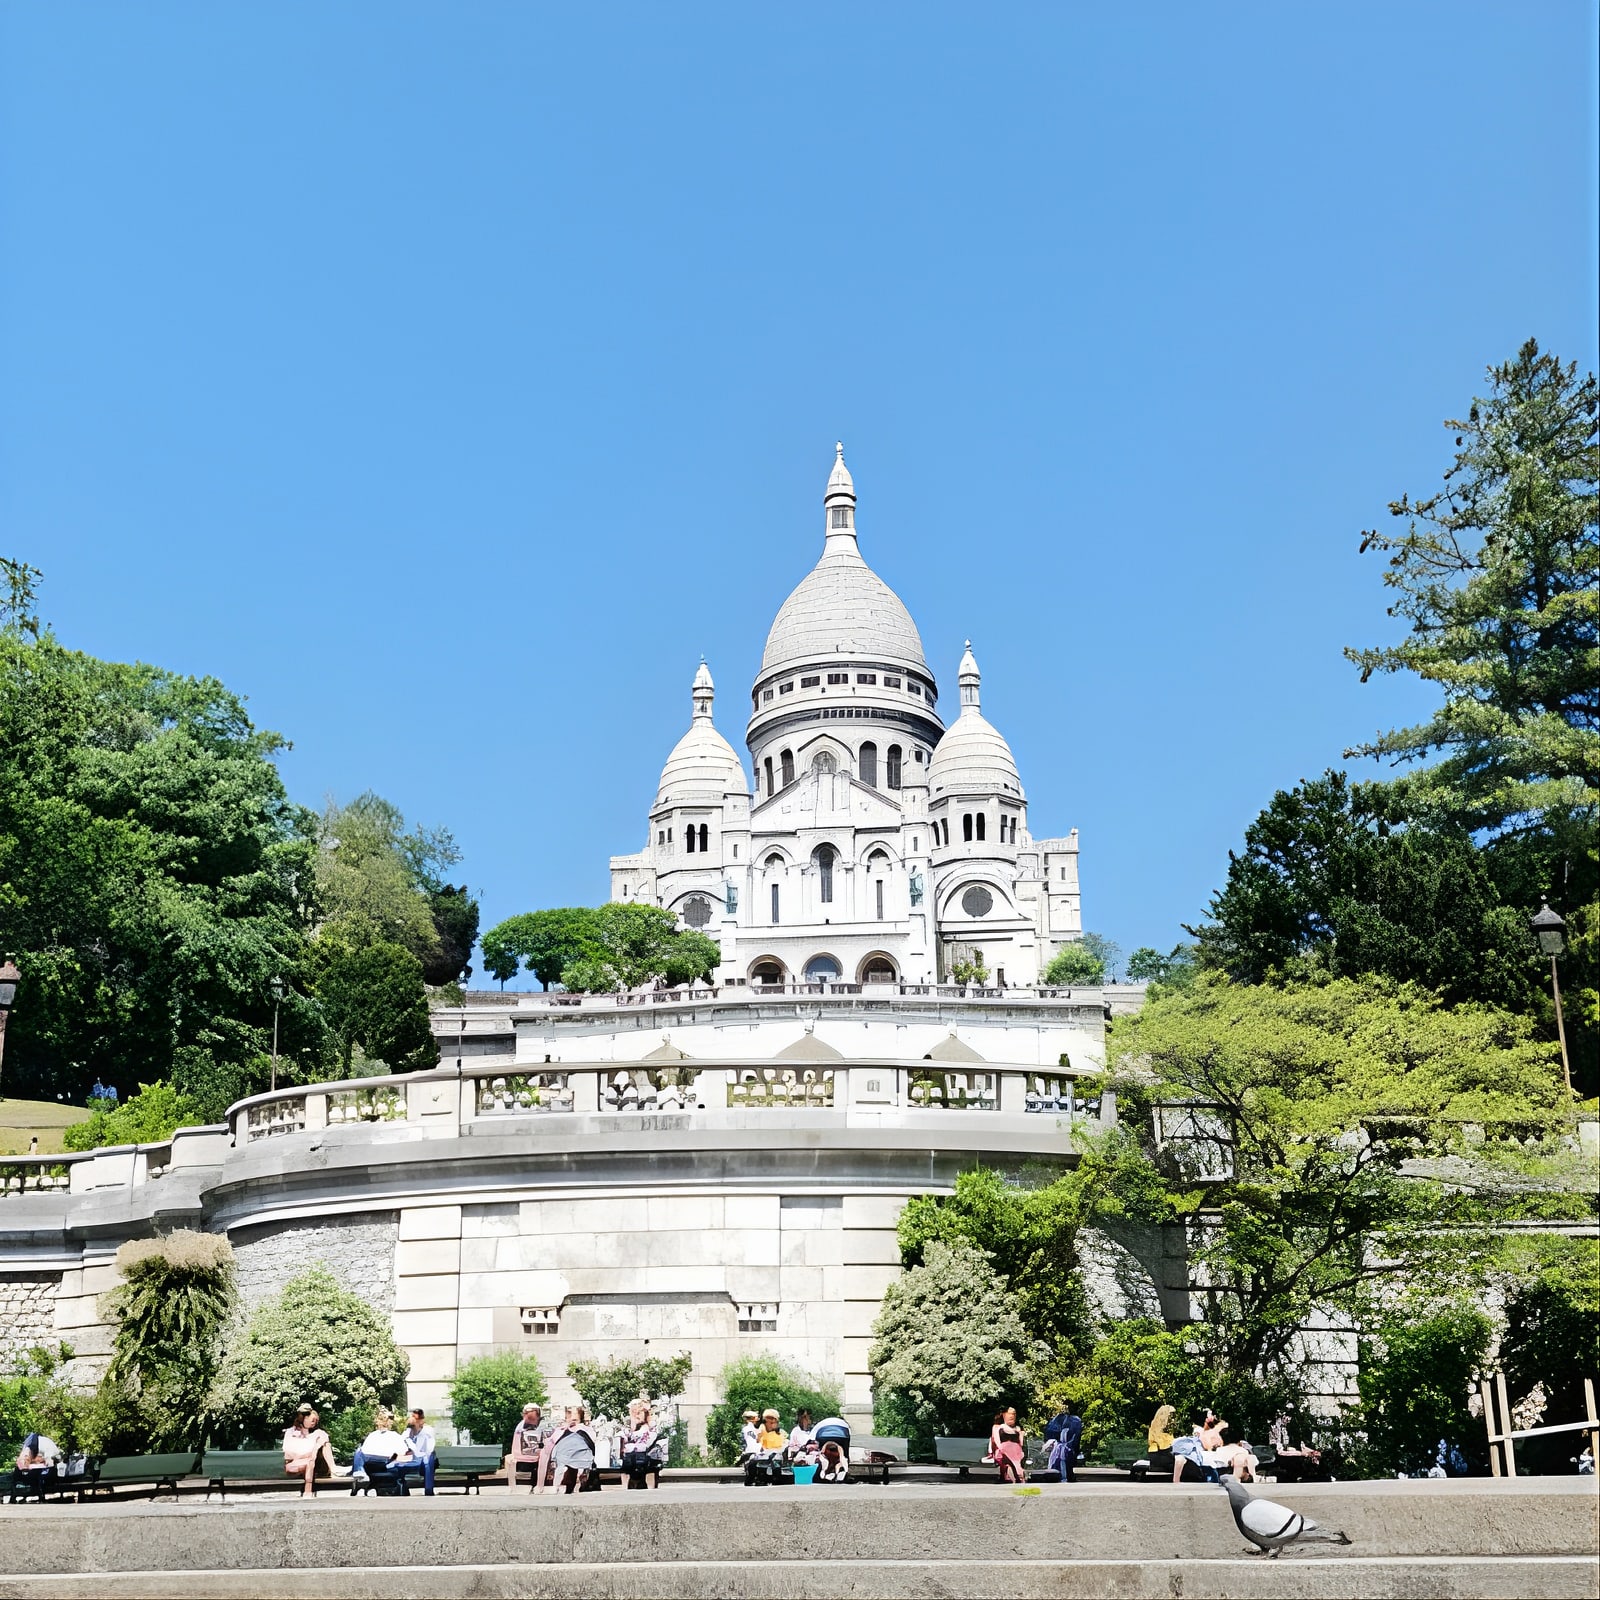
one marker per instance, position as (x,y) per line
(750,1444)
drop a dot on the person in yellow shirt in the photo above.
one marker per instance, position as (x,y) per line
(772,1439)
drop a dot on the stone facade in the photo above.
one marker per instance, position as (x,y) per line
(359,1251)
(27,1314)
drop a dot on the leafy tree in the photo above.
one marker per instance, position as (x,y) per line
(22,1389)
(754,1383)
(316,1342)
(1315,1107)
(372,998)
(19,589)
(545,943)
(153,874)
(1147,965)
(608,1389)
(455,920)
(488,1393)
(949,1345)
(169,1312)
(1332,881)
(630,945)
(1108,950)
(148,1117)
(1415,1378)
(1075,964)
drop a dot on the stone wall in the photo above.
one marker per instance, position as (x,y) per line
(359,1252)
(27,1313)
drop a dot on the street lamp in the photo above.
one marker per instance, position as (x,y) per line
(10,977)
(279,990)
(1550,927)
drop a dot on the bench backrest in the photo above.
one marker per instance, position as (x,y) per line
(242,1464)
(143,1469)
(961,1452)
(470,1457)
(863,1445)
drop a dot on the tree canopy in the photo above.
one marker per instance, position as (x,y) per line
(620,945)
(544,943)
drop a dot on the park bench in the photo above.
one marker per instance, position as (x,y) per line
(467,1465)
(962,1454)
(1126,1454)
(158,1471)
(15,1485)
(875,1455)
(221,1467)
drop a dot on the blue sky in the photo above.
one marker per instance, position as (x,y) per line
(447,379)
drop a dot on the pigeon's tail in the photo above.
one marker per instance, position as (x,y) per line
(1326,1535)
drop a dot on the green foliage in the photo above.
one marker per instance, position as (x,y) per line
(372,999)
(1075,964)
(346,1429)
(608,1389)
(1415,1377)
(154,874)
(1316,1099)
(1166,974)
(148,1117)
(1146,965)
(169,1312)
(488,1393)
(19,589)
(1107,951)
(949,1346)
(455,920)
(629,945)
(755,1383)
(969,965)
(21,1391)
(316,1343)
(1334,881)
(541,942)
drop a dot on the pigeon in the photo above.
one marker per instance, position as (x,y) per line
(1271,1526)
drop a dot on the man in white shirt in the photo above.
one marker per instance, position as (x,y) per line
(382,1449)
(421,1454)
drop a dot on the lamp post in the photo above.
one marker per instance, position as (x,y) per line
(279,992)
(1549,926)
(10,977)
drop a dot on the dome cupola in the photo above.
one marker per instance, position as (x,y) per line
(972,757)
(702,767)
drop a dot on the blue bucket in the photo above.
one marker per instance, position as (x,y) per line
(803,1474)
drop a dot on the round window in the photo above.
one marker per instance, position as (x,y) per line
(977,901)
(697,913)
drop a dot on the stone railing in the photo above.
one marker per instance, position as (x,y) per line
(636,999)
(35,1174)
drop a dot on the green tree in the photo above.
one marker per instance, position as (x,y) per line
(22,1389)
(1147,965)
(148,1117)
(316,1342)
(1108,950)
(372,998)
(544,943)
(608,1388)
(631,945)
(1334,881)
(1075,964)
(1303,1122)
(754,1383)
(949,1346)
(1415,1377)
(169,1313)
(488,1393)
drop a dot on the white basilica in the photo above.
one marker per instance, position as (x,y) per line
(878,845)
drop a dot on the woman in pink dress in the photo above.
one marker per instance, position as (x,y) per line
(1006,1440)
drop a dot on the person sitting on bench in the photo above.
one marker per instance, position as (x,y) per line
(569,1451)
(528,1440)
(422,1454)
(644,1446)
(1189,1455)
(35,1462)
(381,1451)
(305,1447)
(768,1464)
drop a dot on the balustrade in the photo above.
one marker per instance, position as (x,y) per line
(954,1091)
(385,1103)
(781,1086)
(652,1089)
(523,1094)
(275,1117)
(33,1177)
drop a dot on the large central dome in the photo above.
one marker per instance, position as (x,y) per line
(842,608)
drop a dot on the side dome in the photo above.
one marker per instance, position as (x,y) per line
(842,607)
(702,767)
(973,756)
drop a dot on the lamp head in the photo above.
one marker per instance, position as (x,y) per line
(1549,926)
(10,977)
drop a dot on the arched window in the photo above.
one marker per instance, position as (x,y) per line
(822,969)
(894,766)
(705,835)
(690,835)
(774,904)
(774,862)
(869,764)
(787,760)
(966,826)
(879,969)
(769,777)
(825,763)
(822,858)
(980,824)
(766,972)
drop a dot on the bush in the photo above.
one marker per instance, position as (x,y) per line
(1415,1378)
(1552,1338)
(149,1117)
(488,1393)
(608,1390)
(949,1347)
(314,1343)
(1075,963)
(21,1391)
(757,1383)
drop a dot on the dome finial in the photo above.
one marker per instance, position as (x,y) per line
(969,678)
(704,692)
(839,509)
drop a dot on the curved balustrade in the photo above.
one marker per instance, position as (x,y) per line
(36,1174)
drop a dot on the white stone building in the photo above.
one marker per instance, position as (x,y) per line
(877,845)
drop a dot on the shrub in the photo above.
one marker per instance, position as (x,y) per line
(608,1390)
(149,1117)
(949,1347)
(1415,1378)
(488,1393)
(755,1383)
(169,1312)
(1075,963)
(21,1392)
(1552,1338)
(315,1343)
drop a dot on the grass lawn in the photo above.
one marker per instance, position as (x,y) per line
(20,1120)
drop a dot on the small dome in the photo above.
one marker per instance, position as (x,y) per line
(842,607)
(972,757)
(702,767)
